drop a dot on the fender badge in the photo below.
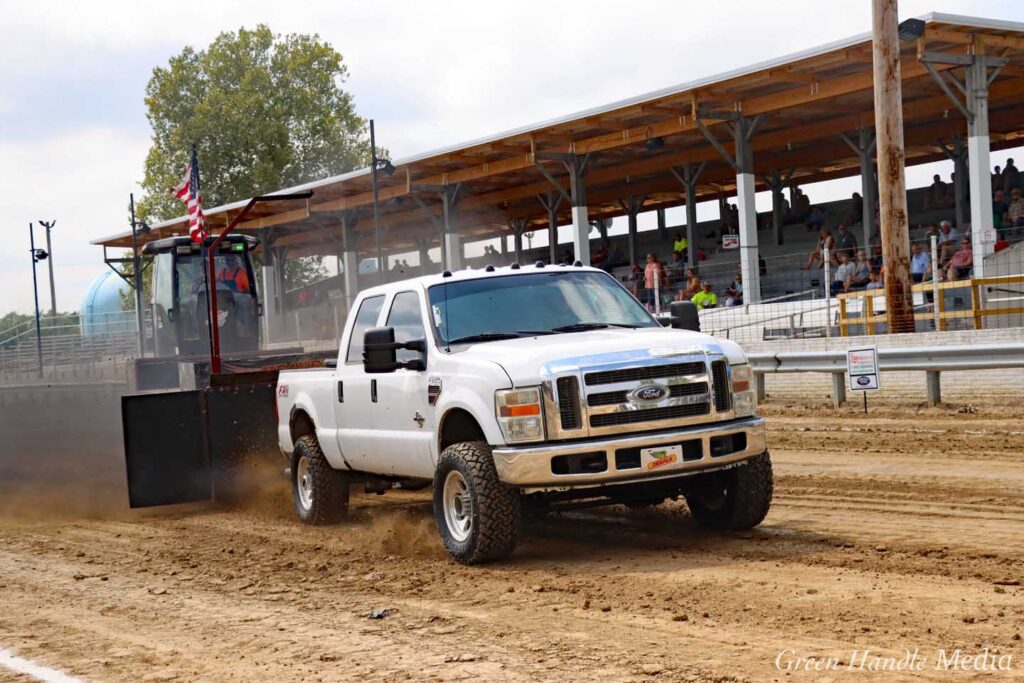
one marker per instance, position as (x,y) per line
(433,389)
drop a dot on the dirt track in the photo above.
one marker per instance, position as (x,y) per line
(904,529)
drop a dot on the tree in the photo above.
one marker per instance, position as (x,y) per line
(264,111)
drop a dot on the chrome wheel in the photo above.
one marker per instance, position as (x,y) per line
(304,483)
(458,506)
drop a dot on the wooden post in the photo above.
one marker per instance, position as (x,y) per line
(892,197)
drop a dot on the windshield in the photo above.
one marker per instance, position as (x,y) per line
(526,305)
(229,268)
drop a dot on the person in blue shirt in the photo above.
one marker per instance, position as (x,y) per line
(920,264)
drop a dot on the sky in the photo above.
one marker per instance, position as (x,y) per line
(74,134)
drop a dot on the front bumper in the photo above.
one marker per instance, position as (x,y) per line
(534,466)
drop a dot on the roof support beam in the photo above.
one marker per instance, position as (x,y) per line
(688,174)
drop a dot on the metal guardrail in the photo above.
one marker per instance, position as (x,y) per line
(932,360)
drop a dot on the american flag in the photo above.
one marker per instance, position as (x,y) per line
(188,192)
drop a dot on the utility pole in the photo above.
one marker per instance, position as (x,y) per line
(376,208)
(892,196)
(37,256)
(137,277)
(49,250)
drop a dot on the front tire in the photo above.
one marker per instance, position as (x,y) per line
(319,491)
(477,516)
(736,499)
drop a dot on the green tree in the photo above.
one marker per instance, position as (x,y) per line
(265,111)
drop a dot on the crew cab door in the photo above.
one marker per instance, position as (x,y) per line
(403,420)
(352,390)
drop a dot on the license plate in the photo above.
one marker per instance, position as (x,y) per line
(660,457)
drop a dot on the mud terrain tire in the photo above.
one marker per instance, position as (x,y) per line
(477,516)
(319,491)
(735,499)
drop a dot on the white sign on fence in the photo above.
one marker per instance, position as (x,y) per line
(862,365)
(730,241)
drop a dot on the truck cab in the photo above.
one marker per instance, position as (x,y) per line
(180,302)
(540,386)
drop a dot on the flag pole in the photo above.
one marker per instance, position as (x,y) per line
(207,272)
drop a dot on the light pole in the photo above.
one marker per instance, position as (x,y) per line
(137,276)
(375,166)
(37,256)
(49,249)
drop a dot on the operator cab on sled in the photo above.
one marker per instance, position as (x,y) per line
(180,302)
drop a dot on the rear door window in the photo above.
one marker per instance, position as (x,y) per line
(366,318)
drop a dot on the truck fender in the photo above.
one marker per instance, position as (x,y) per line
(474,404)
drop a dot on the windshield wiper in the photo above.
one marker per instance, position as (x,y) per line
(485,337)
(580,327)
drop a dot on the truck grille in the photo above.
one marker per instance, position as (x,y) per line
(642,373)
(569,402)
(649,415)
(675,391)
(720,377)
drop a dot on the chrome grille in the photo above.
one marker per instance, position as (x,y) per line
(644,373)
(608,398)
(569,403)
(720,377)
(649,415)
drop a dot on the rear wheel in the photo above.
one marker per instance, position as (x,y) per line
(734,499)
(319,491)
(477,516)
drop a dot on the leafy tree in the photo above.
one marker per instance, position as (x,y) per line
(127,268)
(266,111)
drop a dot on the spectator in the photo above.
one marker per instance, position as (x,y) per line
(675,268)
(875,281)
(654,276)
(615,258)
(600,256)
(734,292)
(567,256)
(997,178)
(815,219)
(920,264)
(876,257)
(948,237)
(999,208)
(705,298)
(825,241)
(1015,211)
(636,278)
(937,196)
(801,205)
(845,243)
(961,263)
(1011,177)
(692,286)
(862,271)
(681,245)
(856,213)
(843,276)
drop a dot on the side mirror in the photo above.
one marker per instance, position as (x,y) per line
(684,316)
(379,347)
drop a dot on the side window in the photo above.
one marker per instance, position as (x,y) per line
(407,320)
(366,318)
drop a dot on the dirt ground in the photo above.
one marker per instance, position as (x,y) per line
(899,530)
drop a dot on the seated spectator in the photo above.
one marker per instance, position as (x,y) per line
(567,256)
(1015,210)
(1000,244)
(674,270)
(937,196)
(875,281)
(815,219)
(701,256)
(705,298)
(681,245)
(845,243)
(825,241)
(636,279)
(962,262)
(843,277)
(616,258)
(734,292)
(876,257)
(692,286)
(999,208)
(920,264)
(948,237)
(600,257)
(856,213)
(861,272)
(801,205)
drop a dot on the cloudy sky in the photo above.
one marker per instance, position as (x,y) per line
(73,131)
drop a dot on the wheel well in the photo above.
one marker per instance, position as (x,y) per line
(459,426)
(300,424)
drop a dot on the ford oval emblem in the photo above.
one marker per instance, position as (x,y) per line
(648,393)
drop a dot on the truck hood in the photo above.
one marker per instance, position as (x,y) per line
(524,358)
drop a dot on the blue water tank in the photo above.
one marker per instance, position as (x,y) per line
(101,312)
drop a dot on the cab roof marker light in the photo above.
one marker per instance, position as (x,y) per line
(539,264)
(514,266)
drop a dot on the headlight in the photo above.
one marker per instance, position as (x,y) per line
(520,414)
(744,398)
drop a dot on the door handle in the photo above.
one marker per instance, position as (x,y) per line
(373,391)
(341,392)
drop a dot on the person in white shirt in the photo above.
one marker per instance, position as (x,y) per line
(844,274)
(920,264)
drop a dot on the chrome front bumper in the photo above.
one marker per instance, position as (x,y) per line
(531,466)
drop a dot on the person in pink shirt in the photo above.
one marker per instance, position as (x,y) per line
(653,272)
(961,262)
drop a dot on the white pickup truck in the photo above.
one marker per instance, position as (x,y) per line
(514,387)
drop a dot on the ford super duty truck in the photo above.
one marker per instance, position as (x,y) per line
(508,388)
